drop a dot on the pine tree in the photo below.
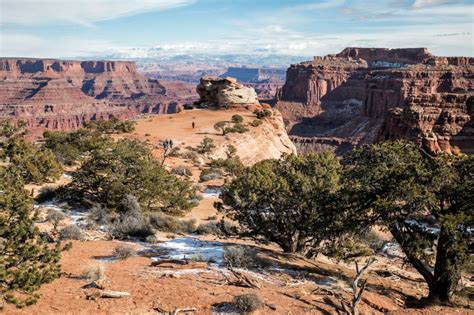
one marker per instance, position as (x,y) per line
(26,261)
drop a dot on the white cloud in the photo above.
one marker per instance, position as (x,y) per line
(418,4)
(83,12)
(320,5)
(26,45)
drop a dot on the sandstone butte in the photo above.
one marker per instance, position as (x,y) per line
(63,95)
(364,95)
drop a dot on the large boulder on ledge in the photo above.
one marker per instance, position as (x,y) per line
(224,92)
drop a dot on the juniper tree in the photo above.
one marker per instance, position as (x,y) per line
(393,184)
(128,167)
(237,119)
(221,125)
(206,146)
(26,261)
(35,164)
(285,201)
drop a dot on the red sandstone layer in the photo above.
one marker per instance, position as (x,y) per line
(365,95)
(63,94)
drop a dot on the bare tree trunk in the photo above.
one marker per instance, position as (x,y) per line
(358,290)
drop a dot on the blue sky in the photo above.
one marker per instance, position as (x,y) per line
(69,28)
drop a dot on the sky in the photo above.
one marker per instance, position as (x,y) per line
(81,28)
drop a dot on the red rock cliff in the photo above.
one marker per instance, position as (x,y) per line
(366,95)
(63,94)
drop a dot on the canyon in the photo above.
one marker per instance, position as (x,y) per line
(365,95)
(49,94)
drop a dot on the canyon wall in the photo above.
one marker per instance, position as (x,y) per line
(365,95)
(63,95)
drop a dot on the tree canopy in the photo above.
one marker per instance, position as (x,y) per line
(284,201)
(425,202)
(26,261)
(127,167)
(34,163)
(395,185)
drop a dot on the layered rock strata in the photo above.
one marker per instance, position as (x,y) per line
(268,141)
(364,95)
(63,95)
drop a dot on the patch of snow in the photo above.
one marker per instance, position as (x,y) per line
(391,249)
(211,192)
(108,259)
(425,226)
(186,247)
(225,309)
(77,217)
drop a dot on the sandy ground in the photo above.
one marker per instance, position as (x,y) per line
(293,285)
(178,127)
(152,288)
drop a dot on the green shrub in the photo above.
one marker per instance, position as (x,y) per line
(248,303)
(191,155)
(33,163)
(210,227)
(239,257)
(167,223)
(98,215)
(123,251)
(93,272)
(182,170)
(232,165)
(113,125)
(69,147)
(72,232)
(46,193)
(206,146)
(237,119)
(261,114)
(210,174)
(237,128)
(55,217)
(256,123)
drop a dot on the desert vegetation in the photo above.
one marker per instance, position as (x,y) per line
(306,204)
(26,262)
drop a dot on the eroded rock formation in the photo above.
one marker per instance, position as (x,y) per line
(224,92)
(268,141)
(364,95)
(63,95)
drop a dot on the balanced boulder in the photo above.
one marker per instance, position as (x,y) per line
(224,92)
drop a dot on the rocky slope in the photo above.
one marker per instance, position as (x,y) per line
(267,141)
(365,95)
(62,95)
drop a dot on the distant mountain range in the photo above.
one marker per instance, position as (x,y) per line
(170,55)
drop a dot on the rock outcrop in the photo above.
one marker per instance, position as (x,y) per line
(364,95)
(268,141)
(63,94)
(224,92)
